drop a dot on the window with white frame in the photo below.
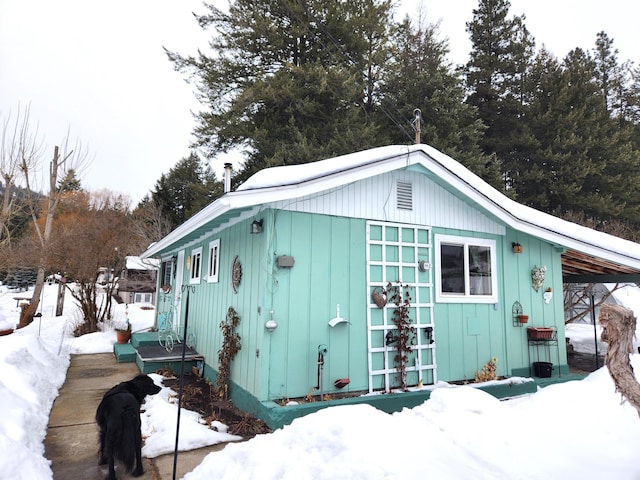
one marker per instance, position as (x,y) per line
(213,266)
(167,271)
(465,269)
(142,298)
(196,265)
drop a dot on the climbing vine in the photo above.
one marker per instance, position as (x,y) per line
(405,336)
(230,347)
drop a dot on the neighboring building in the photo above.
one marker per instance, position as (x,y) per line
(298,252)
(137,282)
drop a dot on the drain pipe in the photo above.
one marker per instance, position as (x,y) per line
(322,351)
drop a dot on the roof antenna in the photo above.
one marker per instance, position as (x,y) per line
(416,123)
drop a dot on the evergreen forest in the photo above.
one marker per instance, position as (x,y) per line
(295,81)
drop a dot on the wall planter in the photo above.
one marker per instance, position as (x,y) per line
(523,318)
(541,333)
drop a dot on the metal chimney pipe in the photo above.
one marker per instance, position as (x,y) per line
(227,177)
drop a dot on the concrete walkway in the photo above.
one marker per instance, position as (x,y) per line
(72,436)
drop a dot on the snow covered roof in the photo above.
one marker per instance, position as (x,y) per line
(293,181)
(139,263)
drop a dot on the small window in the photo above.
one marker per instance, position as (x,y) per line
(465,270)
(195,266)
(167,271)
(142,298)
(213,267)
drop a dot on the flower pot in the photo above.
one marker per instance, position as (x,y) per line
(523,318)
(123,336)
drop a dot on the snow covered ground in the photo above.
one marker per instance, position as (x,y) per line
(582,335)
(577,430)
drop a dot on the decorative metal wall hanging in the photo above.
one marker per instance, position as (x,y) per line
(537,277)
(236,274)
(379,297)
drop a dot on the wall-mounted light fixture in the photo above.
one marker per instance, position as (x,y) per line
(256,226)
(517,248)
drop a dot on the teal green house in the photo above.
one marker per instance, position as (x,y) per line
(307,255)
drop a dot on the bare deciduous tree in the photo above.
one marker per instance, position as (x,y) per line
(150,224)
(20,147)
(64,159)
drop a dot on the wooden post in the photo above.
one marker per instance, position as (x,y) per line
(60,302)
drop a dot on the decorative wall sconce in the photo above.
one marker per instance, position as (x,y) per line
(537,277)
(517,248)
(547,295)
(256,226)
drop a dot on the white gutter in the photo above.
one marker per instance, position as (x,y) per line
(272,185)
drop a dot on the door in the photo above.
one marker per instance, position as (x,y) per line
(400,255)
(177,298)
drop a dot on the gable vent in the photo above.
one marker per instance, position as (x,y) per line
(404,195)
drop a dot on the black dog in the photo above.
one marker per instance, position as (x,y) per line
(118,417)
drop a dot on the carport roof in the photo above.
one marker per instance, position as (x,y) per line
(578,267)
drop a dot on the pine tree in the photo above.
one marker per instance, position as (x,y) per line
(290,81)
(421,77)
(188,187)
(70,182)
(497,78)
(585,161)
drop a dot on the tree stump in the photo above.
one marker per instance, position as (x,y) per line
(619,328)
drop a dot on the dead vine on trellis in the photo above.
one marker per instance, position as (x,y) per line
(405,336)
(230,347)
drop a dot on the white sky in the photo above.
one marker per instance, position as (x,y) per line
(99,69)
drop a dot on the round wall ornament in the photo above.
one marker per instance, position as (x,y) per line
(236,274)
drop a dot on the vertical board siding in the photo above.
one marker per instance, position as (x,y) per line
(328,270)
(326,236)
(519,288)
(374,199)
(209,302)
